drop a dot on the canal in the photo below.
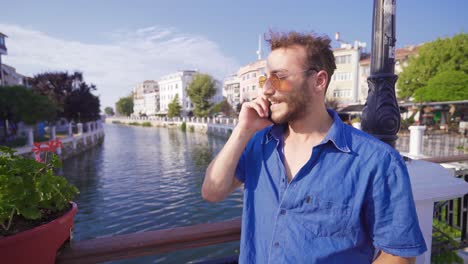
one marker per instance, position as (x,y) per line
(144,179)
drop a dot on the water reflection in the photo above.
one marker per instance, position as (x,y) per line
(147,179)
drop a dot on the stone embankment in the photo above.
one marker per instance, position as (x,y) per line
(73,143)
(217,126)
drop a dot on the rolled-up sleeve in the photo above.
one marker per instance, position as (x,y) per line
(391,213)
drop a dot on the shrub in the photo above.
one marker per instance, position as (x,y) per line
(29,189)
(183,127)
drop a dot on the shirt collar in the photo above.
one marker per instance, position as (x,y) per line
(336,134)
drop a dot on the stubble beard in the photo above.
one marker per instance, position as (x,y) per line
(296,102)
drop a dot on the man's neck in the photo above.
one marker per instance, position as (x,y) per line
(311,128)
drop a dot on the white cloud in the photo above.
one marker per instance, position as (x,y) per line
(130,57)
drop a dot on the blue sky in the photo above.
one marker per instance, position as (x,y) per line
(120,43)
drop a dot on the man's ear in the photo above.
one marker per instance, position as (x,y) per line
(321,81)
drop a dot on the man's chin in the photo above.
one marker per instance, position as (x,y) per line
(278,120)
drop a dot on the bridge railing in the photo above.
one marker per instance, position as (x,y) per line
(168,240)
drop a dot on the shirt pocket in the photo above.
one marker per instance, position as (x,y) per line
(323,218)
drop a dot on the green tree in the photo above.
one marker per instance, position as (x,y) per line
(20,104)
(125,105)
(81,105)
(200,91)
(69,93)
(174,107)
(223,107)
(445,86)
(449,54)
(109,111)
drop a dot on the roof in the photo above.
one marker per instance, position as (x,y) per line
(400,53)
(3,35)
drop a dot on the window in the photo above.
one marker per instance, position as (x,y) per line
(345,59)
(342,93)
(341,76)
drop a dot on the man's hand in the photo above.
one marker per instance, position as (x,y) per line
(254,115)
(385,258)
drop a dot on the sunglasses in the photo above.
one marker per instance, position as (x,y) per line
(278,80)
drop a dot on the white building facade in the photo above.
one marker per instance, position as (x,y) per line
(176,84)
(248,80)
(146,98)
(344,82)
(231,90)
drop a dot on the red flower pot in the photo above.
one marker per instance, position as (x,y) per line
(38,245)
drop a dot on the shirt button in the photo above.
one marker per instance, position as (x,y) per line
(276,244)
(282,211)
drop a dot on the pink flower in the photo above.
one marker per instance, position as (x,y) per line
(38,158)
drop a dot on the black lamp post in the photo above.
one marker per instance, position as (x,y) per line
(381,115)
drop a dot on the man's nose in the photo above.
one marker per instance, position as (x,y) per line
(268,88)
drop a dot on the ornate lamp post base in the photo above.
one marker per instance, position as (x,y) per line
(381,115)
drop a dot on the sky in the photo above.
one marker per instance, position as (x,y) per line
(118,44)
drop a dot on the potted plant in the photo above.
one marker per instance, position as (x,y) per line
(36,212)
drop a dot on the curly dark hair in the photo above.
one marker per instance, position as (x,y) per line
(319,53)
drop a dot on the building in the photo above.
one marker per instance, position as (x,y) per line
(218,97)
(344,82)
(10,77)
(146,98)
(231,90)
(248,80)
(402,56)
(176,84)
(3,51)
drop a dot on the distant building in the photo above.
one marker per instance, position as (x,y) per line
(10,77)
(218,97)
(3,51)
(248,80)
(344,82)
(231,90)
(176,83)
(146,98)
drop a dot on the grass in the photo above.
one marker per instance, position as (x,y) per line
(191,129)
(147,124)
(116,122)
(134,124)
(183,127)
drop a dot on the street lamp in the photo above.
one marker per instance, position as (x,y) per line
(381,115)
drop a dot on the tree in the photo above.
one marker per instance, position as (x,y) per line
(200,91)
(449,54)
(81,105)
(223,107)
(125,105)
(109,111)
(18,103)
(70,93)
(445,86)
(174,107)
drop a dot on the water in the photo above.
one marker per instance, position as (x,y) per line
(144,179)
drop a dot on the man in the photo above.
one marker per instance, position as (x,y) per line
(315,190)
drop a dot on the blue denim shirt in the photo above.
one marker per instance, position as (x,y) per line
(353,196)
